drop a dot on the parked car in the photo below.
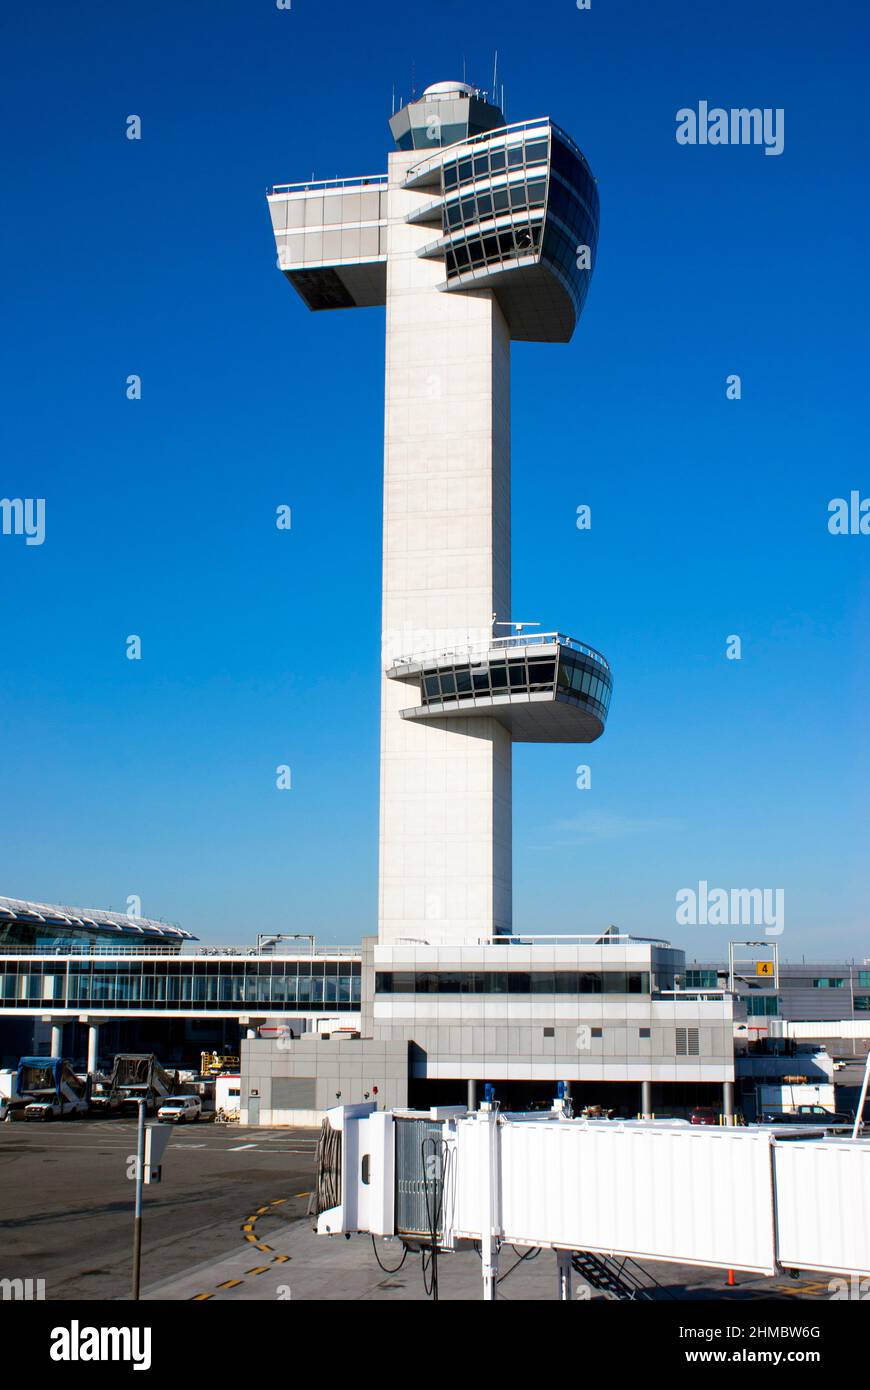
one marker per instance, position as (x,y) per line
(806,1115)
(704,1115)
(179,1109)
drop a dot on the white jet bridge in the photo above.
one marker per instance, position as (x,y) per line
(760,1199)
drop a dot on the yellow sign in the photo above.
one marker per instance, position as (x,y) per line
(764,967)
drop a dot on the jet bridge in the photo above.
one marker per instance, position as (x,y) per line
(760,1199)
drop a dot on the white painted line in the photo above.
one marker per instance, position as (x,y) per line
(238,1147)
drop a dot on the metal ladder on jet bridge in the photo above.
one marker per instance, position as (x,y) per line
(617,1278)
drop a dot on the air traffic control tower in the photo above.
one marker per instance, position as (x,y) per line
(479,233)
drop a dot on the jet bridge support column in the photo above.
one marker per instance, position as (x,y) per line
(93,1047)
(489,1203)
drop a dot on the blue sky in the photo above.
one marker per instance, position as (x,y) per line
(157,778)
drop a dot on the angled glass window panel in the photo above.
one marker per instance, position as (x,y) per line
(451,176)
(577,674)
(585,682)
(518,675)
(501,199)
(480,680)
(454,214)
(515,156)
(490,248)
(465,170)
(481,165)
(498,676)
(564,675)
(430,688)
(541,673)
(497,160)
(448,684)
(537,150)
(462,257)
(484,205)
(518,196)
(536,192)
(463,682)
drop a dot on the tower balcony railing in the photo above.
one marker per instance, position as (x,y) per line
(514,642)
(319,185)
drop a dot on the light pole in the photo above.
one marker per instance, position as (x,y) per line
(137,1201)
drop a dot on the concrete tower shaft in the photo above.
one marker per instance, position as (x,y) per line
(478,233)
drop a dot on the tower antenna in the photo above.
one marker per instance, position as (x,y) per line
(495,77)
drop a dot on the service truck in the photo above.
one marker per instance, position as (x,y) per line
(49,1089)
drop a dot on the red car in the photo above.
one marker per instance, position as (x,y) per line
(704,1115)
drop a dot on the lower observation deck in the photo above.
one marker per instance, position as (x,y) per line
(544,688)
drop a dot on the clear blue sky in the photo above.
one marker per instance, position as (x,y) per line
(156,777)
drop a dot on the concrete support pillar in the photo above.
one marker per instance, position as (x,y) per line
(728,1101)
(471,1102)
(93,1046)
(646,1099)
(57,1039)
(566,1276)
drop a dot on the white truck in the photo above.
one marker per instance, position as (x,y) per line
(47,1088)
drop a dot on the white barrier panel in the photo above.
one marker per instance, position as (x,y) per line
(696,1196)
(823,1205)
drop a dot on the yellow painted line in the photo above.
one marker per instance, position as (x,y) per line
(258,1269)
(280,1259)
(248,1226)
(277,1201)
(230,1283)
(265,1247)
(260,1210)
(201,1297)
(252,1239)
(301,1194)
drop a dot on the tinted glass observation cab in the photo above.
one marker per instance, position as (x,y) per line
(516,208)
(544,688)
(518,213)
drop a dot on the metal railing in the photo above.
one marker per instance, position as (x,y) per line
(572,939)
(234,952)
(520,639)
(371,181)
